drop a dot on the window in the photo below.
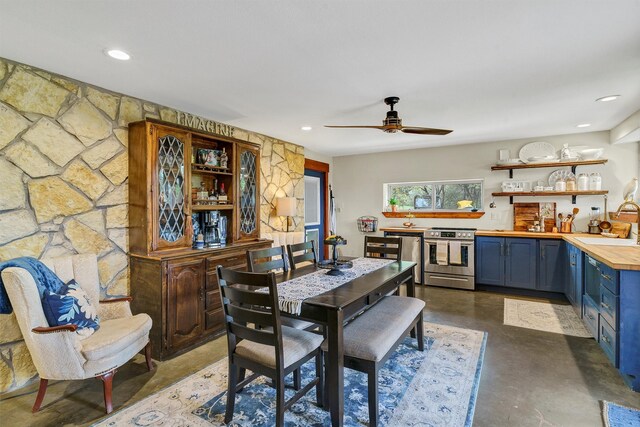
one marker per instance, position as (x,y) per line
(435,195)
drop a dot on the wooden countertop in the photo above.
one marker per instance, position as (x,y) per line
(617,257)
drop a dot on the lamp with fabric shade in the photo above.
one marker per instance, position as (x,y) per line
(286,206)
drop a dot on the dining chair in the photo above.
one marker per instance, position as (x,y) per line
(383,247)
(308,254)
(274,350)
(371,338)
(262,260)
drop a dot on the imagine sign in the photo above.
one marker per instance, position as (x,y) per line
(195,122)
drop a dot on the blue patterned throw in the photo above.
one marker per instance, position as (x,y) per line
(45,279)
(620,416)
(70,305)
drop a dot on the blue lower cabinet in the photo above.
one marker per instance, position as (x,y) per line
(628,327)
(521,263)
(552,272)
(591,316)
(574,281)
(490,260)
(609,341)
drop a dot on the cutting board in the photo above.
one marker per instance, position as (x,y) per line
(622,229)
(525,213)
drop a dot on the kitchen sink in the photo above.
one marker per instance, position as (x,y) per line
(607,241)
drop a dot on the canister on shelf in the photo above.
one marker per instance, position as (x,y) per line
(571,183)
(583,182)
(595,182)
(561,185)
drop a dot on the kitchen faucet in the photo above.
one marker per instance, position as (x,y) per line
(637,209)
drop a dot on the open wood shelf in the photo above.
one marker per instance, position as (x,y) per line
(573,194)
(548,165)
(445,214)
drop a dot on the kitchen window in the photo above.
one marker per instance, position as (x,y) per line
(435,196)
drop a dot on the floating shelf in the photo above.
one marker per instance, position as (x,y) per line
(573,165)
(573,194)
(201,208)
(445,214)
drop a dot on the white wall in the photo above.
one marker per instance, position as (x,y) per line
(358,180)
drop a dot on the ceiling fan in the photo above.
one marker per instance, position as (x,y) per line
(392,123)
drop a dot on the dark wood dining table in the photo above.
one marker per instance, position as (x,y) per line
(333,308)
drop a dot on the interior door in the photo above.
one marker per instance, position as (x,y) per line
(315,208)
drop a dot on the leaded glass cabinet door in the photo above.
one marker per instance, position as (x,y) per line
(248,191)
(170,195)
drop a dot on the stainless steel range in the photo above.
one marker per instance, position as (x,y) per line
(449,257)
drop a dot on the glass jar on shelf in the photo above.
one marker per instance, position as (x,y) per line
(595,182)
(583,182)
(571,183)
(561,185)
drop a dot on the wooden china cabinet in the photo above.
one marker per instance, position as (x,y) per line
(172,281)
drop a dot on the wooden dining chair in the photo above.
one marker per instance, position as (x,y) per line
(383,247)
(308,254)
(274,350)
(262,260)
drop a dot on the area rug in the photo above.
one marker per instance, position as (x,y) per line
(620,416)
(542,316)
(437,387)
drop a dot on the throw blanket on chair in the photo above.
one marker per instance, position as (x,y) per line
(45,279)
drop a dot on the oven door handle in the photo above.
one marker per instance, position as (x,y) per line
(449,278)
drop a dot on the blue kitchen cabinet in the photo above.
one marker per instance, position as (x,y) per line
(521,260)
(552,272)
(574,282)
(510,262)
(490,260)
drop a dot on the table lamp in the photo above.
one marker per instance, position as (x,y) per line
(286,206)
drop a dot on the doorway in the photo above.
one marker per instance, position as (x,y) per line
(316,219)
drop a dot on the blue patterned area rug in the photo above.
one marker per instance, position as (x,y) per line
(620,416)
(437,387)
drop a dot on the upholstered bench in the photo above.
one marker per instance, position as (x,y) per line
(371,338)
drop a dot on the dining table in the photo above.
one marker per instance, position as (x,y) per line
(335,307)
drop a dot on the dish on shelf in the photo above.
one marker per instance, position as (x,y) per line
(509,162)
(540,149)
(543,161)
(540,158)
(591,153)
(560,174)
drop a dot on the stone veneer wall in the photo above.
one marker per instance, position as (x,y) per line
(63,169)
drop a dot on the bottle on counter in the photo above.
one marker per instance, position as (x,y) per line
(595,182)
(583,182)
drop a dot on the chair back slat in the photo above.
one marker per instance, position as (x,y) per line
(375,246)
(309,253)
(266,337)
(246,296)
(250,315)
(262,260)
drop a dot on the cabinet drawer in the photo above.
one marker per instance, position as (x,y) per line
(213,300)
(228,260)
(609,341)
(591,317)
(214,319)
(609,278)
(212,277)
(608,306)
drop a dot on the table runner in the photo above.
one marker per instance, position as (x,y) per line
(292,292)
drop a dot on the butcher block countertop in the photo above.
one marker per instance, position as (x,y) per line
(617,257)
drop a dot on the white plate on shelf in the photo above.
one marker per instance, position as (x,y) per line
(539,149)
(509,162)
(560,174)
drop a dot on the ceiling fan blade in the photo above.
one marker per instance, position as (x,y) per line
(363,127)
(425,131)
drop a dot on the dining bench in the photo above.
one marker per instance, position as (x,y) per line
(371,338)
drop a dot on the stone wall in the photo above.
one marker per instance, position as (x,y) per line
(63,168)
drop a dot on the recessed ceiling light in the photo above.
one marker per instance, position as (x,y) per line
(118,54)
(584,125)
(608,98)
(306,128)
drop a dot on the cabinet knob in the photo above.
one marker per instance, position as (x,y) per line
(606,339)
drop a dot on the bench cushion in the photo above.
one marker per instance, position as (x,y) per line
(296,345)
(372,335)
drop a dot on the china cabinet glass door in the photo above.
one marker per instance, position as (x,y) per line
(172,219)
(248,193)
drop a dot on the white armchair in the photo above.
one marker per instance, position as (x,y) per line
(58,352)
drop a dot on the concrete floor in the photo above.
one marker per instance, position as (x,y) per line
(529,378)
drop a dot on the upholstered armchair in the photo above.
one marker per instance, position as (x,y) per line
(59,353)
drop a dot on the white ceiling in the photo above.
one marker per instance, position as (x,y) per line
(489,69)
